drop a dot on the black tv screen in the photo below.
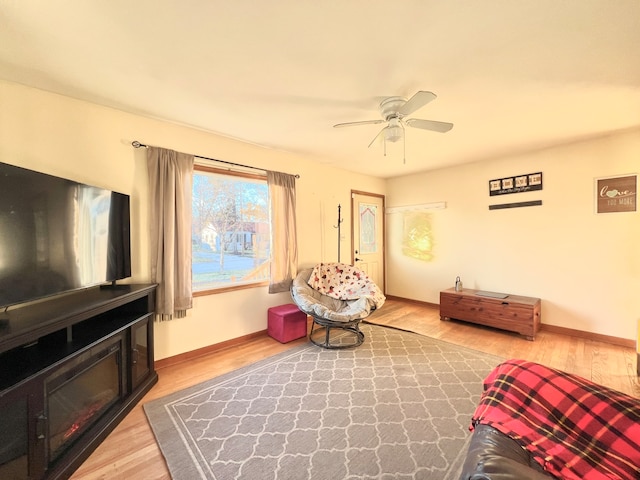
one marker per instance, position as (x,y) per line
(57,235)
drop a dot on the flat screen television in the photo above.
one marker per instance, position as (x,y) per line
(58,235)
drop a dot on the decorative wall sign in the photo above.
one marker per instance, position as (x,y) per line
(616,194)
(516,184)
(532,203)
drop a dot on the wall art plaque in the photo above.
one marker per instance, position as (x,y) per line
(516,184)
(616,194)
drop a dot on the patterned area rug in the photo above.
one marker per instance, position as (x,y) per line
(397,407)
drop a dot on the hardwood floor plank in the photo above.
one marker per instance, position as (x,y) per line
(130,451)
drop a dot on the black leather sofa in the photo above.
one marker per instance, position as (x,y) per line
(495,456)
(534,422)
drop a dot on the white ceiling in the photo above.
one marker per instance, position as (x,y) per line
(512,76)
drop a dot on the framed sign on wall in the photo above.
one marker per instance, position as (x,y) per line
(616,194)
(516,184)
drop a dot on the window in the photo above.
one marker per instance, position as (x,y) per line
(230,230)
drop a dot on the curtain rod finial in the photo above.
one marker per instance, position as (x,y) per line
(136,144)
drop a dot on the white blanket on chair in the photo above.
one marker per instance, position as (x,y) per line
(345,282)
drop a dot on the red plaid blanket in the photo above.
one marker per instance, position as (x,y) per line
(574,428)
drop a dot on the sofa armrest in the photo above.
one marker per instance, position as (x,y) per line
(495,456)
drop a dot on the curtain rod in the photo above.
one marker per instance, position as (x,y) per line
(137,144)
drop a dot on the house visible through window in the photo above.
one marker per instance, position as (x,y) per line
(230,230)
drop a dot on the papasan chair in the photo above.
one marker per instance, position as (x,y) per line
(338,297)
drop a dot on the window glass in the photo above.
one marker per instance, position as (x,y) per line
(230,230)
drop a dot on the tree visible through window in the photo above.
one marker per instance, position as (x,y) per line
(230,229)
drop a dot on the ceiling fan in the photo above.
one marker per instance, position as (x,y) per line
(394,110)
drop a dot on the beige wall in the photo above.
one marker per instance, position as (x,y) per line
(584,266)
(92,144)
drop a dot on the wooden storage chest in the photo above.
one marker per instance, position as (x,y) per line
(514,313)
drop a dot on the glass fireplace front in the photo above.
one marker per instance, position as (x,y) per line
(81,391)
(14,439)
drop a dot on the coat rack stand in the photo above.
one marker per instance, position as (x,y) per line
(340,220)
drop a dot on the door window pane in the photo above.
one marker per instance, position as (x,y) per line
(368,214)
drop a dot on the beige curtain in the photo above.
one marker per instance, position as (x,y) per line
(170,181)
(284,242)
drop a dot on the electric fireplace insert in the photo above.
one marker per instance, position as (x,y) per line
(82,390)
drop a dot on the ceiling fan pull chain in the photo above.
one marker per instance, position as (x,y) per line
(404,147)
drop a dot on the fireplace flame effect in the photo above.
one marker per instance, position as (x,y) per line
(88,413)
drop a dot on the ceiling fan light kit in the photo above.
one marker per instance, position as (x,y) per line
(393,132)
(394,109)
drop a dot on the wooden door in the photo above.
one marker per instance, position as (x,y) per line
(367,235)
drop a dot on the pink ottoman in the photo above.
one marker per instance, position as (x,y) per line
(286,323)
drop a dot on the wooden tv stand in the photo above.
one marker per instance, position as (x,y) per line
(513,312)
(61,344)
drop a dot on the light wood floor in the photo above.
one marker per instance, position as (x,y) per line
(131,451)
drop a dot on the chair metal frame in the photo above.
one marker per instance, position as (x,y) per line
(351,328)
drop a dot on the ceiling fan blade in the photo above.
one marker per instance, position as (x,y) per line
(365,122)
(441,127)
(376,137)
(420,99)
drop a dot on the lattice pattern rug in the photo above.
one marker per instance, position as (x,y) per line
(397,407)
